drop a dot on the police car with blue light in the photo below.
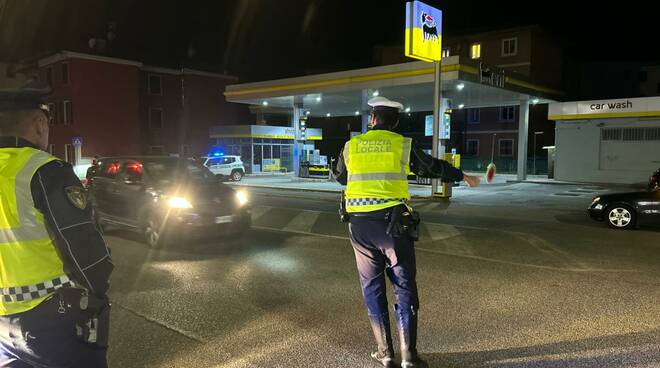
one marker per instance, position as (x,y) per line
(226,166)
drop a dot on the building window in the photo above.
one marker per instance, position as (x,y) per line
(65,73)
(473,116)
(67,113)
(507,113)
(52,110)
(510,46)
(506,147)
(155,85)
(472,147)
(643,76)
(155,118)
(157,150)
(445,53)
(475,51)
(49,76)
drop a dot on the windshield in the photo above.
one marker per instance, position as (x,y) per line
(167,171)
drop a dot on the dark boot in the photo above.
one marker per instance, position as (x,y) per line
(380,325)
(407,323)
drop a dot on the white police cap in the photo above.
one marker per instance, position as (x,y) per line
(384,102)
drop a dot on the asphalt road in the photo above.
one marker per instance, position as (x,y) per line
(510,276)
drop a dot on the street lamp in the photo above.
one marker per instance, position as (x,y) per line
(535,134)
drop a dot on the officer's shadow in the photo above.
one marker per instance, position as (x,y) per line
(620,351)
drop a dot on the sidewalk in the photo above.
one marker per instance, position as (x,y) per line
(288,181)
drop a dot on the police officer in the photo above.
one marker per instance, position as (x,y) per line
(54,264)
(374,166)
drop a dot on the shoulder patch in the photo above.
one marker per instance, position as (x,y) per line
(76,196)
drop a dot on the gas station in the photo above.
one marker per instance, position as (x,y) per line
(429,85)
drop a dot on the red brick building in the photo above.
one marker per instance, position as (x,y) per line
(122,107)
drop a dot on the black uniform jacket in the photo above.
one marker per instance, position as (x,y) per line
(80,245)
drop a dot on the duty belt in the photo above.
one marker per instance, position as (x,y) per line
(29,292)
(372,201)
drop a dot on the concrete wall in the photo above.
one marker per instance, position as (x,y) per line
(581,156)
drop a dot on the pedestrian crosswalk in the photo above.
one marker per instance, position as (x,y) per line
(483,244)
(328,224)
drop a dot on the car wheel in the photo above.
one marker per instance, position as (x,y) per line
(236,175)
(153,232)
(620,216)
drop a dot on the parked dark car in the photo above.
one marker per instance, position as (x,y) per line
(654,181)
(166,198)
(629,210)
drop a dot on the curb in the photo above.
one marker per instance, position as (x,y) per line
(546,182)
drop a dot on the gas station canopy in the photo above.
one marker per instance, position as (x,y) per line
(466,83)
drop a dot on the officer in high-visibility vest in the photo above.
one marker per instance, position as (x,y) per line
(375,166)
(54,263)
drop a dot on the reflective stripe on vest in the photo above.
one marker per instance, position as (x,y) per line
(378,166)
(29,262)
(372,201)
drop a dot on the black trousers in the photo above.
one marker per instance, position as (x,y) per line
(45,337)
(378,256)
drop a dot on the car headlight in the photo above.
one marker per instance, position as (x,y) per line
(596,204)
(242,198)
(179,202)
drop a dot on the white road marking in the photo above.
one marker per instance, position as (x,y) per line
(440,231)
(257,212)
(303,222)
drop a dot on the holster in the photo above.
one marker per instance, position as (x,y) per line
(403,221)
(92,315)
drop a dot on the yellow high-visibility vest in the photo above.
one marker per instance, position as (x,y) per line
(30,268)
(378,164)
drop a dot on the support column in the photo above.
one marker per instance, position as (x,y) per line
(297,144)
(365,111)
(523,129)
(437,150)
(365,121)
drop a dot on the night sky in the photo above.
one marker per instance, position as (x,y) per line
(266,39)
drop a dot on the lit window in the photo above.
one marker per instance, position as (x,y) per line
(445,53)
(475,51)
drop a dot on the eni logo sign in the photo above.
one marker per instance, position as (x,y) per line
(611,106)
(423,31)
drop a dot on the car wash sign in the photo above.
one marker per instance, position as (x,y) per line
(619,108)
(423,31)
